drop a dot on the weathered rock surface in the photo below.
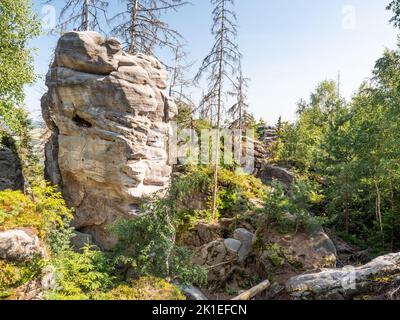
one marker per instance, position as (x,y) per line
(348,282)
(19,246)
(109,116)
(10,167)
(191,293)
(81,240)
(268,173)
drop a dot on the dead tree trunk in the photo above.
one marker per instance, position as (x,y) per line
(251,293)
(347,283)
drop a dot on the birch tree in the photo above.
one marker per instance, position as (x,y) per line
(220,65)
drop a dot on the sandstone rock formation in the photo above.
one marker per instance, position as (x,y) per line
(348,282)
(10,167)
(110,117)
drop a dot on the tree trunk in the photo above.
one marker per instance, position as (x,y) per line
(219,105)
(250,294)
(175,72)
(134,10)
(346,205)
(378,206)
(86,16)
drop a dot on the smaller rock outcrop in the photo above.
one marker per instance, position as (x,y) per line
(348,282)
(268,173)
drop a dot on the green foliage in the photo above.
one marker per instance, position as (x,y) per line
(18,24)
(236,191)
(145,288)
(80,276)
(395,7)
(289,213)
(13,275)
(47,213)
(352,151)
(148,243)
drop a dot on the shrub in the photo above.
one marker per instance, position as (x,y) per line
(291,212)
(13,275)
(146,288)
(236,190)
(80,276)
(47,213)
(148,245)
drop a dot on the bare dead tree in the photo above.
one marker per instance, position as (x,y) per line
(221,64)
(141,26)
(82,15)
(238,111)
(180,83)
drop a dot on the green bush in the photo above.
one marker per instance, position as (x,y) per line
(236,191)
(44,214)
(148,245)
(146,288)
(13,275)
(80,276)
(291,212)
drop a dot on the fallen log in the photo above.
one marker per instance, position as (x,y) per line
(349,282)
(251,293)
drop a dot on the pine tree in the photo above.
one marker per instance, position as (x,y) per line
(221,65)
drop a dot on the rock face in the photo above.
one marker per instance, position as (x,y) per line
(19,246)
(10,167)
(109,116)
(348,282)
(269,173)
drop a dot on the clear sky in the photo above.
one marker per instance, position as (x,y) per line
(288,47)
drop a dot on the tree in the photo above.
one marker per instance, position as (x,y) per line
(221,64)
(18,24)
(238,111)
(82,15)
(179,82)
(142,28)
(395,7)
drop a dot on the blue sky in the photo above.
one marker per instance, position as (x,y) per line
(288,47)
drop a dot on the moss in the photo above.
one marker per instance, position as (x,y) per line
(146,288)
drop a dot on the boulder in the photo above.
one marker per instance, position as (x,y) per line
(110,118)
(190,292)
(348,282)
(246,239)
(268,173)
(232,245)
(80,240)
(19,246)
